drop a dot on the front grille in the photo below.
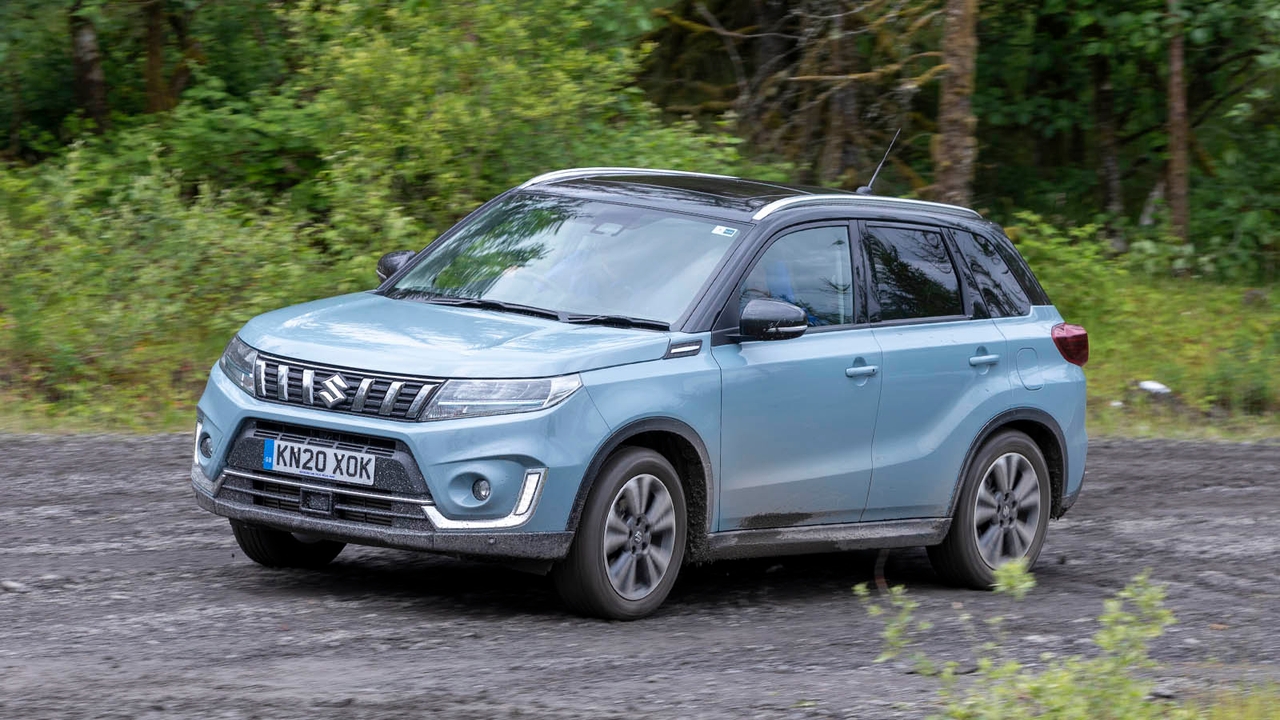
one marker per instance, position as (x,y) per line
(345,506)
(295,382)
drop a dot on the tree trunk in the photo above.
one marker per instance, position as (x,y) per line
(157,88)
(86,58)
(1108,150)
(955,149)
(1179,181)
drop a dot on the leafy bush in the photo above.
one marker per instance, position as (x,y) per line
(1217,346)
(1111,683)
(131,259)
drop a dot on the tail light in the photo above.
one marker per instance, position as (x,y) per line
(1072,342)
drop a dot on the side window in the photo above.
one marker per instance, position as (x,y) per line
(1001,292)
(808,268)
(912,273)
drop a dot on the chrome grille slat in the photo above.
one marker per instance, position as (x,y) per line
(358,392)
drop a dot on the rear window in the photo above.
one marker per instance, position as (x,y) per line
(913,274)
(998,287)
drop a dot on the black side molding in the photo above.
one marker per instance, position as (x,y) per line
(826,538)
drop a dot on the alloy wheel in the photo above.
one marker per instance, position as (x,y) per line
(639,536)
(1006,514)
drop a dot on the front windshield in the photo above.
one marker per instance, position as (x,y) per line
(576,257)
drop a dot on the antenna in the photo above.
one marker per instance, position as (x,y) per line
(866,189)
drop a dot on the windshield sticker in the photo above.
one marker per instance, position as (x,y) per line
(610,229)
(725,231)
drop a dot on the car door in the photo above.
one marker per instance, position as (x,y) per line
(798,415)
(944,372)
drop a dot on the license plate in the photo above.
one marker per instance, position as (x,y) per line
(296,459)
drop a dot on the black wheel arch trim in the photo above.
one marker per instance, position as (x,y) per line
(696,537)
(998,422)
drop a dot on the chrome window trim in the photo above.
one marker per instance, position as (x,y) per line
(579,173)
(776,205)
(337,489)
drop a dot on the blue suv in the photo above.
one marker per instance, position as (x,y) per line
(606,373)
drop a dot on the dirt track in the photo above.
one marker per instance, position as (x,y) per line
(125,600)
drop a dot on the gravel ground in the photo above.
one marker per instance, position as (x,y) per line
(119,598)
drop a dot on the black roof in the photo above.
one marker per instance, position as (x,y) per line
(717,195)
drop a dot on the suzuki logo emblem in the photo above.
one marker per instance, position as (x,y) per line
(334,390)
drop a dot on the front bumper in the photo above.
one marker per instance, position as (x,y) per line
(221,497)
(534,462)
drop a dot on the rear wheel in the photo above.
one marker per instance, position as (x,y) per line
(1002,514)
(630,541)
(280,549)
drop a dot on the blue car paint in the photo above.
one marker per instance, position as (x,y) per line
(375,333)
(933,404)
(1051,384)
(797,430)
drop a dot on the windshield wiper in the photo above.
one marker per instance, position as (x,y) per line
(480,303)
(616,320)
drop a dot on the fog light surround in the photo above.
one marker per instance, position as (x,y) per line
(481,489)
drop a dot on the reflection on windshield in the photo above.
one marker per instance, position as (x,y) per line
(576,256)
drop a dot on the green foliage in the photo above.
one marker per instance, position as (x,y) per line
(1217,347)
(1014,579)
(1109,683)
(133,257)
(131,304)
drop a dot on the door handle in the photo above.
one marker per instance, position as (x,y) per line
(977,360)
(861,371)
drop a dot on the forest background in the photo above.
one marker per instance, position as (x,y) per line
(170,168)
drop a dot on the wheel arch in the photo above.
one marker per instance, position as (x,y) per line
(681,445)
(1047,435)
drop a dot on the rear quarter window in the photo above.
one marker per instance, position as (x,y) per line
(1001,290)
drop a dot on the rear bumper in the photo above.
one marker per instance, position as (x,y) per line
(219,499)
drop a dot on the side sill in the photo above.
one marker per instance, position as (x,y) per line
(734,544)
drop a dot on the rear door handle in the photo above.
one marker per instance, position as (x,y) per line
(861,371)
(977,360)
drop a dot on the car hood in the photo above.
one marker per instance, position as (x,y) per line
(371,332)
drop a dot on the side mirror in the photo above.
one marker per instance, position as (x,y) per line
(390,263)
(764,319)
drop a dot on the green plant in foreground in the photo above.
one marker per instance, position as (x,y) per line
(1108,684)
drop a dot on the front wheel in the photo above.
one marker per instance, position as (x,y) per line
(280,549)
(630,540)
(1002,514)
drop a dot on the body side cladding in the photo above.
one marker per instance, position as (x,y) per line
(1055,454)
(699,526)
(735,544)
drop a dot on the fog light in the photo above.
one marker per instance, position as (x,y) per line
(206,445)
(481,489)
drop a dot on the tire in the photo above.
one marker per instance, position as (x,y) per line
(280,549)
(1013,518)
(627,525)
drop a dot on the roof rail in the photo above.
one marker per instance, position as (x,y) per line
(574,173)
(776,205)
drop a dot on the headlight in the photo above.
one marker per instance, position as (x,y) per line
(475,398)
(238,361)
